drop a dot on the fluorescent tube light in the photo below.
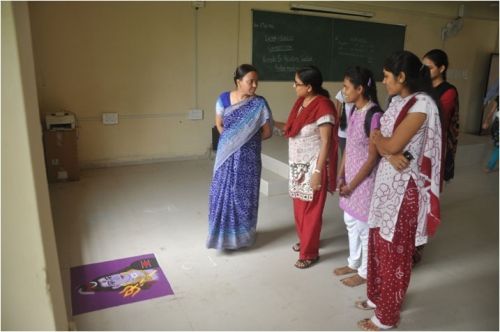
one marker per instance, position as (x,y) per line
(328,10)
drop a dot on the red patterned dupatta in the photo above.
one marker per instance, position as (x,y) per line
(319,107)
(430,167)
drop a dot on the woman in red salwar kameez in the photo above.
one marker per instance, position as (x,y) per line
(311,130)
(405,204)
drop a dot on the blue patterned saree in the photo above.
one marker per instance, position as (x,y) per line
(234,192)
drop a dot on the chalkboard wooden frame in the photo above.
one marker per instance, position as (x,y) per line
(284,42)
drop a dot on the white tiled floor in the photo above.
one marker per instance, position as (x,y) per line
(162,209)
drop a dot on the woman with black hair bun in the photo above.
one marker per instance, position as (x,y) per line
(404,209)
(243,120)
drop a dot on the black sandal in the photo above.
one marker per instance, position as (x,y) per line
(305,263)
(296,247)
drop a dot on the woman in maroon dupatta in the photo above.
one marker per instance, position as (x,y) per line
(437,62)
(405,207)
(311,128)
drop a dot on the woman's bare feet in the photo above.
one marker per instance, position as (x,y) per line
(354,280)
(340,271)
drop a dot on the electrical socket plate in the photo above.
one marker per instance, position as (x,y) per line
(195,114)
(109,118)
(62,175)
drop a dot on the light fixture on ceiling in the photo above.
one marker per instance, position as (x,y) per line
(198,4)
(328,10)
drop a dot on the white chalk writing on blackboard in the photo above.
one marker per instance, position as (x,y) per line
(263,25)
(279,58)
(285,69)
(281,48)
(355,47)
(291,58)
(271,59)
(278,38)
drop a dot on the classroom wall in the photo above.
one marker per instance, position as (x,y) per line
(154,61)
(32,296)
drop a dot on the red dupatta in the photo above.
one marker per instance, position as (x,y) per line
(429,171)
(319,107)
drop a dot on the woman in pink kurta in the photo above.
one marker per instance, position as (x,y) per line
(357,170)
(405,204)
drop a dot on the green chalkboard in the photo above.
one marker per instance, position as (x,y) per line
(282,43)
(365,44)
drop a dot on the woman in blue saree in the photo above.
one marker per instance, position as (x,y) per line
(243,120)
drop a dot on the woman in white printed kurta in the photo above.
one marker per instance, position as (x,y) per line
(312,132)
(390,183)
(405,204)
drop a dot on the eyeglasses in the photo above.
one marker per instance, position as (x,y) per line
(296,84)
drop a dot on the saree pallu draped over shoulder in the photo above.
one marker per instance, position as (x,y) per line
(234,191)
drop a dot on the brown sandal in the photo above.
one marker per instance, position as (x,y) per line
(305,263)
(296,247)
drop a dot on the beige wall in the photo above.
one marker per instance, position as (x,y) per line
(32,297)
(140,59)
